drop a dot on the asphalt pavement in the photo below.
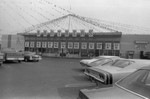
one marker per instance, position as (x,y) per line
(50,78)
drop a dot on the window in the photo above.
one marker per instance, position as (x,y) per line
(38,44)
(147,82)
(83,45)
(31,44)
(26,44)
(63,44)
(44,44)
(108,46)
(50,44)
(76,45)
(91,45)
(99,45)
(121,63)
(55,44)
(116,46)
(135,82)
(70,45)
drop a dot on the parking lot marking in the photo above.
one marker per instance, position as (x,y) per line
(81,85)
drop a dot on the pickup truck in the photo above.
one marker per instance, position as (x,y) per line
(1,58)
(13,56)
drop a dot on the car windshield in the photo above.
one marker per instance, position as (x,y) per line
(101,62)
(97,57)
(138,82)
(121,63)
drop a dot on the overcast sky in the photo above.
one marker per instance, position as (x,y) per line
(16,15)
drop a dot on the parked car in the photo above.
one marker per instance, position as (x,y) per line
(133,86)
(85,62)
(108,74)
(31,56)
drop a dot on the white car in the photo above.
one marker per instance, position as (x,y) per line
(108,74)
(31,56)
(86,62)
(133,86)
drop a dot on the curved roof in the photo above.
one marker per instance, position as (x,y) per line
(69,22)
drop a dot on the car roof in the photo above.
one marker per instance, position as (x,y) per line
(108,56)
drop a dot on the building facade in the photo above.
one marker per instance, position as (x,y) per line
(134,45)
(81,44)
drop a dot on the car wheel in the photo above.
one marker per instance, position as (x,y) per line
(25,59)
(19,61)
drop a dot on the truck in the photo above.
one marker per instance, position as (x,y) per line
(12,46)
(1,58)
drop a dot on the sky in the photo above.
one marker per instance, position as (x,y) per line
(17,15)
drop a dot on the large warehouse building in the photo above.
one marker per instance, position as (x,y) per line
(74,36)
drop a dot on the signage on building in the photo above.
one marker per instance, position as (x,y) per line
(82,34)
(74,34)
(59,33)
(141,44)
(38,33)
(90,33)
(45,33)
(52,33)
(66,33)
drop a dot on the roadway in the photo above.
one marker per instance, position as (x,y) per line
(50,78)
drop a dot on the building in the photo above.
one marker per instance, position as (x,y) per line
(73,36)
(134,45)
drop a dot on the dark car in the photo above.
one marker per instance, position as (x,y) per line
(134,86)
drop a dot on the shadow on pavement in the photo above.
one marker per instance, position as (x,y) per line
(78,70)
(82,78)
(72,91)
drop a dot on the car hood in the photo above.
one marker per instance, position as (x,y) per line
(108,93)
(113,69)
(86,61)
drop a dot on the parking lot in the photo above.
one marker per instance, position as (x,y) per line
(51,78)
